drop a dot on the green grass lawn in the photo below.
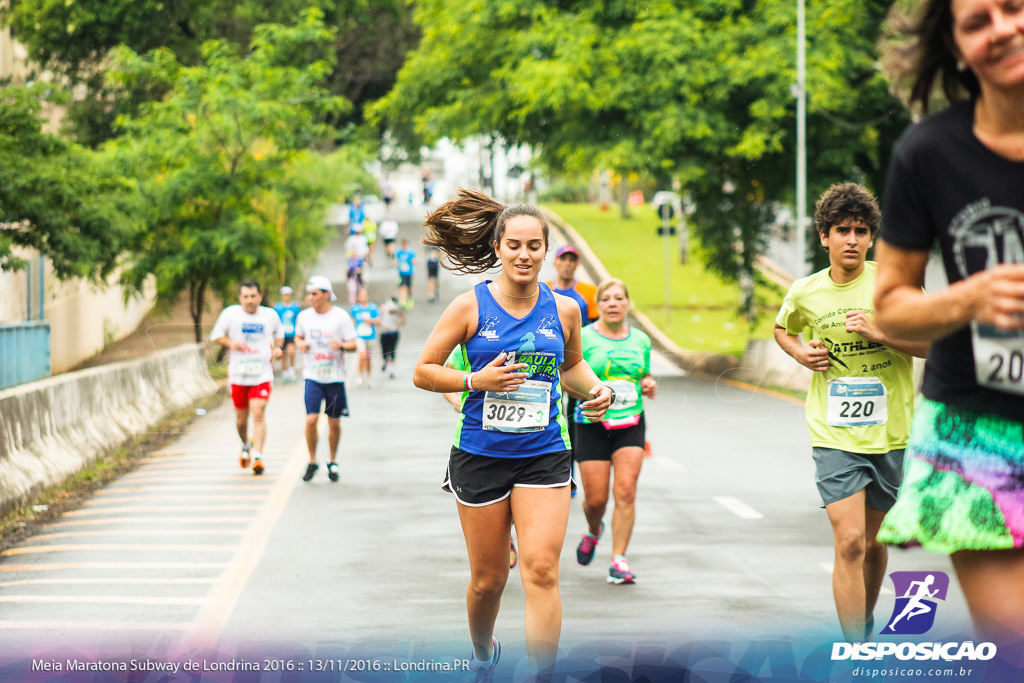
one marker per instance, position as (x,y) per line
(703,316)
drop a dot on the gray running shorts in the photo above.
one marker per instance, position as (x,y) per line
(840,474)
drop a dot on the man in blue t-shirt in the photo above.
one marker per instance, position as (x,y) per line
(406,257)
(366,315)
(287,310)
(356,216)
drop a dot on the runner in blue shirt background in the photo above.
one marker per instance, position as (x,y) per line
(287,310)
(366,316)
(356,216)
(406,257)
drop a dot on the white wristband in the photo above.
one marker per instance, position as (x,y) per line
(469,381)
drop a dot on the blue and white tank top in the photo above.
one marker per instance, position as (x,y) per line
(536,339)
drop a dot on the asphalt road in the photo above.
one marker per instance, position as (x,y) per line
(189,556)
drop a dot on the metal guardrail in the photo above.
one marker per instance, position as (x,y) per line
(24,352)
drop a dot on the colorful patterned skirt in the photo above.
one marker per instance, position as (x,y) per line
(963,482)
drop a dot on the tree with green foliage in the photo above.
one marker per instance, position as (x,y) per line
(57,197)
(74,38)
(222,162)
(699,90)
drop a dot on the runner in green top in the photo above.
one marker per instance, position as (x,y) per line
(621,357)
(860,402)
(457,360)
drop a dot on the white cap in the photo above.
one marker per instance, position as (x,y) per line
(286,290)
(320,282)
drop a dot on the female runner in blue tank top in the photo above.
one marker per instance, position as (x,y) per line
(510,461)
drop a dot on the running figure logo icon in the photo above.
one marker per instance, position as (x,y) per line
(914,612)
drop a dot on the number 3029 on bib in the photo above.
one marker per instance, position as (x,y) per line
(523,410)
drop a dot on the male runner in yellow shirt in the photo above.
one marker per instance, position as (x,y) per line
(860,402)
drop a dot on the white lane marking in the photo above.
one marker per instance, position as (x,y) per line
(117,509)
(209,624)
(738,507)
(668,462)
(130,547)
(828,566)
(93,625)
(102,581)
(102,599)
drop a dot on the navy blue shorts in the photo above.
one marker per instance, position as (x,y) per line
(405,281)
(332,394)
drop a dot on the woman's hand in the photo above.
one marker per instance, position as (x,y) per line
(595,408)
(998,296)
(648,386)
(498,377)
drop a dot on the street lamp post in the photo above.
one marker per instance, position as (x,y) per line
(801,138)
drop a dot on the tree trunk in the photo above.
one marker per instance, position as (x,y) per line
(196,301)
(624,196)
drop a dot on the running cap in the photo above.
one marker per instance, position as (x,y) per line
(567,249)
(286,290)
(322,283)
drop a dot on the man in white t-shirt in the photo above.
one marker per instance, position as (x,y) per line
(253,335)
(388,231)
(323,332)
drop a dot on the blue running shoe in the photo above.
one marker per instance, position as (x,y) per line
(619,571)
(588,546)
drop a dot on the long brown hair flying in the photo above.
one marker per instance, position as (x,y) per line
(919,57)
(466,228)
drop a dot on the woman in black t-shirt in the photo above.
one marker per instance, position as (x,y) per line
(957,177)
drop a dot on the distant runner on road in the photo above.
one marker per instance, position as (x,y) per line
(388,231)
(367,317)
(323,333)
(860,402)
(510,460)
(613,450)
(288,309)
(253,336)
(567,260)
(406,258)
(433,255)
(392,317)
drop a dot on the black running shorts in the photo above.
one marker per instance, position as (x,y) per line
(594,441)
(478,480)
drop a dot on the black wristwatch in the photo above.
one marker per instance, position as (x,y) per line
(611,390)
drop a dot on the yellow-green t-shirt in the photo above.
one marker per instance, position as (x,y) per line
(817,306)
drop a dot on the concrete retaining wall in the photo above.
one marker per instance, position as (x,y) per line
(53,428)
(765,363)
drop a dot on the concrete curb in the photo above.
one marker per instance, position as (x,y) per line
(710,364)
(53,428)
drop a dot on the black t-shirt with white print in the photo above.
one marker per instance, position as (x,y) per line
(945,184)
